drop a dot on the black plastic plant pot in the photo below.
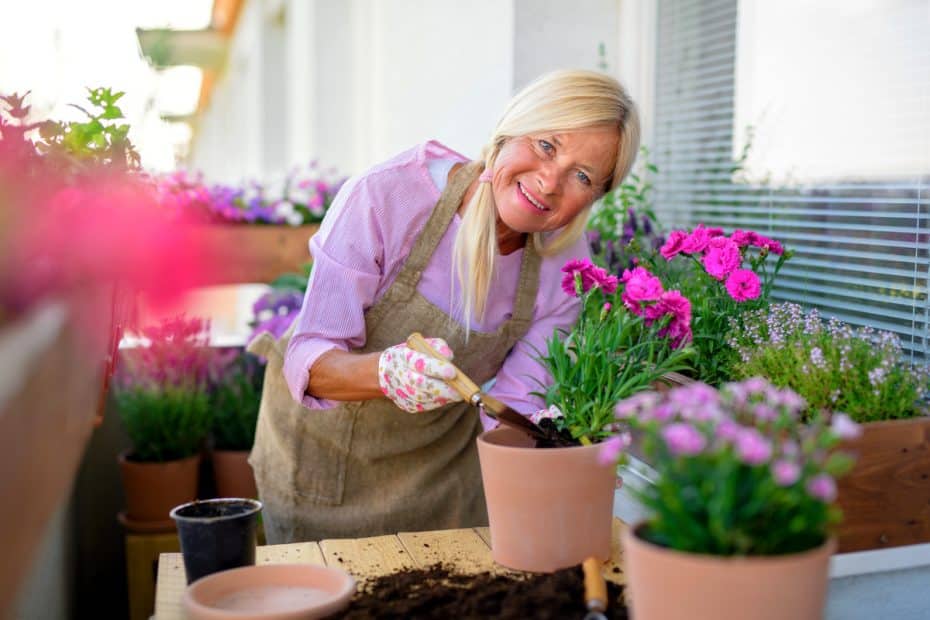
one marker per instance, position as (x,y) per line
(216,534)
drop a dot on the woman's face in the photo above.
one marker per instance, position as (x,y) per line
(542,181)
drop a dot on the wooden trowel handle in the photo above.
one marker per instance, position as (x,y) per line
(460,383)
(595,589)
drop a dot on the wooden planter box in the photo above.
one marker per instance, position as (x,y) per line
(886,497)
(49,391)
(257,253)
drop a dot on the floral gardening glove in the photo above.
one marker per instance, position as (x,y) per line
(414,381)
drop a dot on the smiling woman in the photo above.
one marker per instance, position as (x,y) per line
(468,252)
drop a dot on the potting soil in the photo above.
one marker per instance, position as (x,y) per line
(439,592)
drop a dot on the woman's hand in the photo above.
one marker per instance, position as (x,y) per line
(414,381)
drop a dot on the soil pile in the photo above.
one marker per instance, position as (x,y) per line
(437,592)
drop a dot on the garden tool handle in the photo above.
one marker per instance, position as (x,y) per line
(460,383)
(595,588)
(473,394)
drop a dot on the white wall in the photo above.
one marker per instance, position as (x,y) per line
(355,81)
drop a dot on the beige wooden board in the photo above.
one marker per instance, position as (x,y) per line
(462,549)
(485,534)
(365,558)
(613,568)
(172,579)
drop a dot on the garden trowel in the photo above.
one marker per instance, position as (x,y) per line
(470,391)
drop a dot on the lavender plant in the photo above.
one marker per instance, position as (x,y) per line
(234,400)
(835,367)
(622,230)
(736,474)
(161,390)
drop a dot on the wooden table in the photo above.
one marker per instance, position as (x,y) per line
(468,550)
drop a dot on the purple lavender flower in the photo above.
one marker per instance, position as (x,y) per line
(752,448)
(611,449)
(785,472)
(822,487)
(844,427)
(683,439)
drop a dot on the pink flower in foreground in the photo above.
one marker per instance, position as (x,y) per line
(591,276)
(611,448)
(822,487)
(640,286)
(577,266)
(743,284)
(769,244)
(722,260)
(844,427)
(752,447)
(698,239)
(683,439)
(785,472)
(607,282)
(742,238)
(673,244)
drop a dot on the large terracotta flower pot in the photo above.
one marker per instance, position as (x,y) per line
(233,474)
(670,585)
(549,508)
(153,489)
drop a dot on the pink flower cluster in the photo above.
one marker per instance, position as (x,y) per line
(722,256)
(644,295)
(589,275)
(741,420)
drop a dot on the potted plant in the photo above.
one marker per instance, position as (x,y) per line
(551,508)
(234,399)
(742,504)
(160,391)
(863,373)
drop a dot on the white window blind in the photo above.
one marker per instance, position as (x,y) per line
(836,98)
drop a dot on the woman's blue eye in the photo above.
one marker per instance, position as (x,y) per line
(547,147)
(583,177)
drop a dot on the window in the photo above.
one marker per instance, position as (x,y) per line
(808,122)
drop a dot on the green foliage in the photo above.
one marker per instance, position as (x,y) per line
(98,141)
(861,372)
(234,401)
(165,422)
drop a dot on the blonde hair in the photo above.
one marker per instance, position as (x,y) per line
(557,101)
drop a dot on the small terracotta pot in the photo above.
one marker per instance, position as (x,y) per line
(672,585)
(153,489)
(549,508)
(233,474)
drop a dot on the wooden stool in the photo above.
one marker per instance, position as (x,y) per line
(142,551)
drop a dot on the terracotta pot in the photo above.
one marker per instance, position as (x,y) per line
(233,474)
(153,489)
(549,508)
(672,585)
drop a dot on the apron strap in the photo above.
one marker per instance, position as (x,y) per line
(435,227)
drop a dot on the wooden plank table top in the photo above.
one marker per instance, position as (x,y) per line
(467,550)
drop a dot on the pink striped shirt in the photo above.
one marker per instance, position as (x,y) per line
(363,242)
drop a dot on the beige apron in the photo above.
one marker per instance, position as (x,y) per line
(368,468)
